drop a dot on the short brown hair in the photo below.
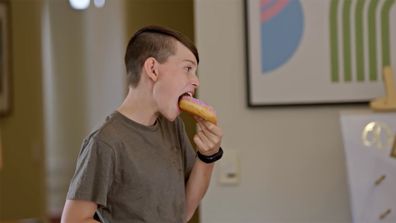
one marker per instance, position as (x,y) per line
(152,41)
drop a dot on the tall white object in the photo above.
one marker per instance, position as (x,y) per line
(84,81)
(368,140)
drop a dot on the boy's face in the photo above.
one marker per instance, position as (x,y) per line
(177,76)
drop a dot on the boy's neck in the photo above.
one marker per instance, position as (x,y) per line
(139,107)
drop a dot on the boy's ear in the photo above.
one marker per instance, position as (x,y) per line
(151,68)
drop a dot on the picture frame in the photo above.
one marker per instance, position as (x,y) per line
(5,61)
(304,52)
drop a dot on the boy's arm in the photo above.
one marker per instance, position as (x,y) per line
(78,211)
(208,140)
(197,185)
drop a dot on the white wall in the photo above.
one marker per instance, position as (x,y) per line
(83,82)
(292,158)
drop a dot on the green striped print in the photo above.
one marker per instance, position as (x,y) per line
(344,45)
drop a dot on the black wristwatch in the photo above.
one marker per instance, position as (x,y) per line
(212,158)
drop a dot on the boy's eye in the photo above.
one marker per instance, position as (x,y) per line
(188,69)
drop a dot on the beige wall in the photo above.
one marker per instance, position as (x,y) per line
(292,158)
(22,187)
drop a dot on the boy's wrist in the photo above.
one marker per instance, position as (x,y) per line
(212,158)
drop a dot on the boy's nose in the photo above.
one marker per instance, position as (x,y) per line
(195,81)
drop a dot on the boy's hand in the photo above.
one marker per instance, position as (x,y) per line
(208,137)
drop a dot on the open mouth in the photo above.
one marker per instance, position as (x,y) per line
(186,94)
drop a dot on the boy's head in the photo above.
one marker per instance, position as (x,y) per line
(152,41)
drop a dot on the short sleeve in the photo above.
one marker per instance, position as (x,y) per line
(189,154)
(94,173)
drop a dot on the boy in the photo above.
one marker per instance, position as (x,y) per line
(139,166)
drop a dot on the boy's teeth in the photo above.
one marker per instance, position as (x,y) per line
(187,94)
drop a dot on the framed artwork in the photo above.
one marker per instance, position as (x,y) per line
(5,94)
(318,52)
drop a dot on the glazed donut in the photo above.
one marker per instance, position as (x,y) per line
(198,108)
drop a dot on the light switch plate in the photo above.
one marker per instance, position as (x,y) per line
(229,168)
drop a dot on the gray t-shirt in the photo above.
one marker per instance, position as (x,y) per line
(133,172)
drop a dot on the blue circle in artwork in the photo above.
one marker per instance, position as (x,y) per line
(282,24)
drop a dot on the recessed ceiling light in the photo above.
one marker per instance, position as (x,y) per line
(99,3)
(79,4)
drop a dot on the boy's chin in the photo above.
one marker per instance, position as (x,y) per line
(170,118)
(170,114)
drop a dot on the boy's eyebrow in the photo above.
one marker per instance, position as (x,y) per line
(191,61)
